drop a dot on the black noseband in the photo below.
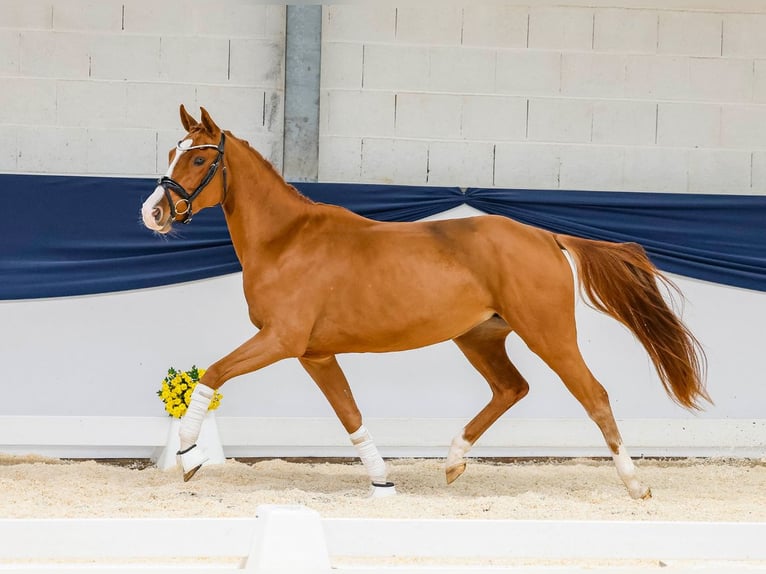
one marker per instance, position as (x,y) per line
(168,183)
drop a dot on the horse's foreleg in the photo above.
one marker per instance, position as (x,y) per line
(330,379)
(484,347)
(259,351)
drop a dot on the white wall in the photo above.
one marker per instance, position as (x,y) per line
(646,96)
(93,87)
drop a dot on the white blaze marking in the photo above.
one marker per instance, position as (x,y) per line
(159,193)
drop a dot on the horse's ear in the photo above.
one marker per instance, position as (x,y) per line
(208,123)
(187,121)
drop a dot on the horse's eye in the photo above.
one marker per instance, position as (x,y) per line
(199,160)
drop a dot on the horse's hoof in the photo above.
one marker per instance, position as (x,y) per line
(190,473)
(191,460)
(645,494)
(453,472)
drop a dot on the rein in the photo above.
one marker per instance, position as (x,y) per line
(168,183)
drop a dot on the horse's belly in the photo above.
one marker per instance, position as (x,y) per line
(397,326)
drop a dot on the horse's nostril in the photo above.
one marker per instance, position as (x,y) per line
(157,213)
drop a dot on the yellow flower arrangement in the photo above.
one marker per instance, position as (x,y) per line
(176,391)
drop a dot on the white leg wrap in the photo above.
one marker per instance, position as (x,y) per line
(457,450)
(627,472)
(191,423)
(368,452)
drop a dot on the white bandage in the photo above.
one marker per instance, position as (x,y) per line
(368,452)
(191,423)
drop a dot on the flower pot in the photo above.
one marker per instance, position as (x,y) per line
(209,441)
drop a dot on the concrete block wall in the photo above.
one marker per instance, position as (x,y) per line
(648,96)
(93,86)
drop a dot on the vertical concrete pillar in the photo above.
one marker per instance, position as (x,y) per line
(302,65)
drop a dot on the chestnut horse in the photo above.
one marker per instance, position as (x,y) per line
(320,280)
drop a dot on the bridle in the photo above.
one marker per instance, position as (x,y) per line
(168,183)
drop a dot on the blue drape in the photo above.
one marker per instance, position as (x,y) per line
(67,235)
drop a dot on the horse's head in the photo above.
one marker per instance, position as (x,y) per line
(196,176)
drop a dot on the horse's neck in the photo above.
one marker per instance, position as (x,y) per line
(261,208)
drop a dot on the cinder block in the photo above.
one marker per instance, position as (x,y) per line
(624,122)
(594,75)
(743,126)
(463,70)
(428,115)
(237,20)
(360,113)
(462,164)
(758,178)
(107,151)
(625,31)
(560,120)
(88,15)
(340,159)
(243,109)
(494,25)
(47,149)
(275,20)
(269,145)
(657,77)
(341,66)
(274,112)
(719,171)
(743,35)
(590,167)
(527,166)
(8,148)
(429,23)
(657,169)
(692,33)
(155,105)
(257,63)
(528,73)
(688,125)
(194,60)
(721,79)
(392,67)
(395,161)
(47,54)
(759,81)
(28,101)
(494,118)
(561,28)
(125,57)
(370,22)
(26,14)
(9,52)
(92,104)
(158,18)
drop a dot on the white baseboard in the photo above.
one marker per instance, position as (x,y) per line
(137,437)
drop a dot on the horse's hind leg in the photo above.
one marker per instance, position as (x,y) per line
(551,334)
(484,347)
(330,379)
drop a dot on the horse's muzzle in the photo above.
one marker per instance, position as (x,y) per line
(154,216)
